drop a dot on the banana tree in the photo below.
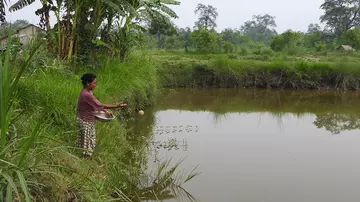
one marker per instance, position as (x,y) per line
(20,4)
(87,16)
(17,6)
(128,16)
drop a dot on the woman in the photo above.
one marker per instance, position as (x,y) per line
(87,106)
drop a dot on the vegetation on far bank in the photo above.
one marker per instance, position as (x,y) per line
(280,72)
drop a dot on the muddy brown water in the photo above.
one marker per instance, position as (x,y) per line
(259,145)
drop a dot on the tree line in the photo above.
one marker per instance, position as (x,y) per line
(118,26)
(341,17)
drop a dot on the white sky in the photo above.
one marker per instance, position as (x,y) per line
(290,14)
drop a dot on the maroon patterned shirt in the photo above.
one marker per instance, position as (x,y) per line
(88,105)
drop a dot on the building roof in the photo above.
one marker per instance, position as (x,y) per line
(29,25)
(346,47)
(16,31)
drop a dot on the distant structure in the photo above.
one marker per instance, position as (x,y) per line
(25,35)
(345,48)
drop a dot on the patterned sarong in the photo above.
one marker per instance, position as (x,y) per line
(87,136)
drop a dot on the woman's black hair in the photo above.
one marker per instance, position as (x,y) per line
(88,78)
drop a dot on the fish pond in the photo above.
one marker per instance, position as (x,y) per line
(256,145)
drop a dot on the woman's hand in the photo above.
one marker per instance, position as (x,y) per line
(122,104)
(108,114)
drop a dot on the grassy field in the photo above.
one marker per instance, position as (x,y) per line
(340,72)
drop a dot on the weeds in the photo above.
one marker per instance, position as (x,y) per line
(12,167)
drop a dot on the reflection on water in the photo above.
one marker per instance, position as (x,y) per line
(259,145)
(161,130)
(335,123)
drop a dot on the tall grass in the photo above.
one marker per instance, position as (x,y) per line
(13,167)
(223,72)
(40,161)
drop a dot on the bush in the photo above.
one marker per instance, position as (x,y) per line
(228,47)
(352,38)
(320,47)
(173,43)
(244,50)
(205,41)
(289,40)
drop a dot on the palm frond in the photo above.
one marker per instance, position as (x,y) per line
(168,11)
(120,6)
(114,6)
(137,27)
(20,5)
(3,4)
(170,2)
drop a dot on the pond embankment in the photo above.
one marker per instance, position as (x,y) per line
(231,73)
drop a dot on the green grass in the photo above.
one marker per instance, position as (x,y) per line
(14,163)
(44,135)
(220,71)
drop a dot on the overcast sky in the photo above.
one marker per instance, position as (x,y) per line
(290,14)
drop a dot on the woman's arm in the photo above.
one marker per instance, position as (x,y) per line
(121,104)
(113,107)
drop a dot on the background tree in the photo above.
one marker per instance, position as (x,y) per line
(228,47)
(204,41)
(160,26)
(314,28)
(337,123)
(235,37)
(287,40)
(207,16)
(341,15)
(4,28)
(261,28)
(173,43)
(144,9)
(352,38)
(313,36)
(184,37)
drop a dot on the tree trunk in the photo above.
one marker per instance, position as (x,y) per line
(73,31)
(47,21)
(59,31)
